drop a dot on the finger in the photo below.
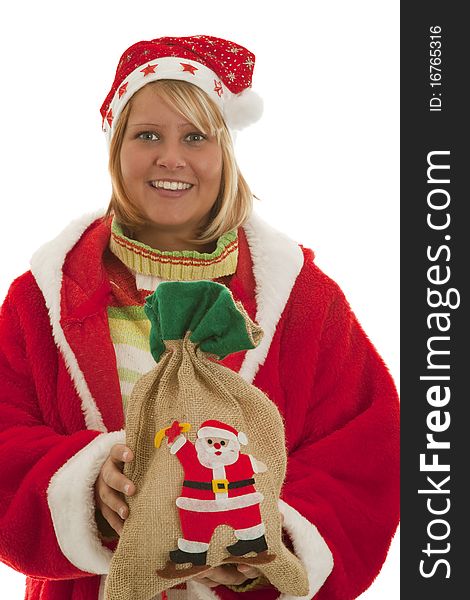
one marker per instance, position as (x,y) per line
(108,497)
(208,582)
(113,478)
(120,453)
(225,575)
(249,571)
(204,575)
(113,519)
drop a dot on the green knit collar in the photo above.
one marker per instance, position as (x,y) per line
(182,265)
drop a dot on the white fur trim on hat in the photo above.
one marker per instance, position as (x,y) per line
(238,110)
(241,110)
(206,432)
(167,67)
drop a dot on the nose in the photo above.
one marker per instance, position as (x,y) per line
(170,156)
(217,446)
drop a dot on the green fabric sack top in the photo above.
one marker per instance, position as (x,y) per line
(217,324)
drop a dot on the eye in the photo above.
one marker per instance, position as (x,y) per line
(222,443)
(148,136)
(209,441)
(195,137)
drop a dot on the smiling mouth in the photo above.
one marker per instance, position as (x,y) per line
(218,453)
(171,185)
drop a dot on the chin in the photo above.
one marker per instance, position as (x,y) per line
(167,226)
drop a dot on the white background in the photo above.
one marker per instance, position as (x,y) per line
(324,159)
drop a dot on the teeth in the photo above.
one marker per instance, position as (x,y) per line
(171,185)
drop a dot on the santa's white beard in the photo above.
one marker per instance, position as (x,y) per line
(207,457)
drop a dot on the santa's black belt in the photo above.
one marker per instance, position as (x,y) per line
(218,485)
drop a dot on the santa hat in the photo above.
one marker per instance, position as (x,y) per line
(222,430)
(221,68)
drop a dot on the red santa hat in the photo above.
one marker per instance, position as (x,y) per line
(221,68)
(214,428)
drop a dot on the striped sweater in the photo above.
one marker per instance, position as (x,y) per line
(135,270)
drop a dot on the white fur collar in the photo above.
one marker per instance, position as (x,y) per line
(46,266)
(277,260)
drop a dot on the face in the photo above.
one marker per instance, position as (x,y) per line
(217,451)
(170,169)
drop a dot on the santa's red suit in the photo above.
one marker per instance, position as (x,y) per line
(61,412)
(237,507)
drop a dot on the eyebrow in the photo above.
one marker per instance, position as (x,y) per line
(159,125)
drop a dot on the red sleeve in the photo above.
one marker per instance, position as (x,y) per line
(342,484)
(186,454)
(46,487)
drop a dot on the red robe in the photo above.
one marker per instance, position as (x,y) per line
(61,411)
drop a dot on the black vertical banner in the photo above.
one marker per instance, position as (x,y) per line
(435,333)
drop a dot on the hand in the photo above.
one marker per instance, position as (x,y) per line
(110,485)
(227,575)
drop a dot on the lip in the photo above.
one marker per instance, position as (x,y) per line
(162,192)
(157,179)
(171,180)
(218,453)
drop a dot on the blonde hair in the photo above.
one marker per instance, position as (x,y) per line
(234,202)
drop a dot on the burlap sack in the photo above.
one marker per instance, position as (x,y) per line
(176,416)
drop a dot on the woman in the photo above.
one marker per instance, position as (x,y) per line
(72,344)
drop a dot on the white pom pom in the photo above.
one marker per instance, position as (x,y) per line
(243,109)
(242,438)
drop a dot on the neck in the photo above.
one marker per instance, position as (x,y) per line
(166,241)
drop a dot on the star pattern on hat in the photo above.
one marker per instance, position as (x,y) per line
(218,88)
(149,69)
(190,68)
(231,69)
(123,89)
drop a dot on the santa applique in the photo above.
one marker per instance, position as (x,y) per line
(218,489)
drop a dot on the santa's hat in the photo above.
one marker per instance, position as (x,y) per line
(221,68)
(214,428)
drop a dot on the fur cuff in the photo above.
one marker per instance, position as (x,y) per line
(70,496)
(309,547)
